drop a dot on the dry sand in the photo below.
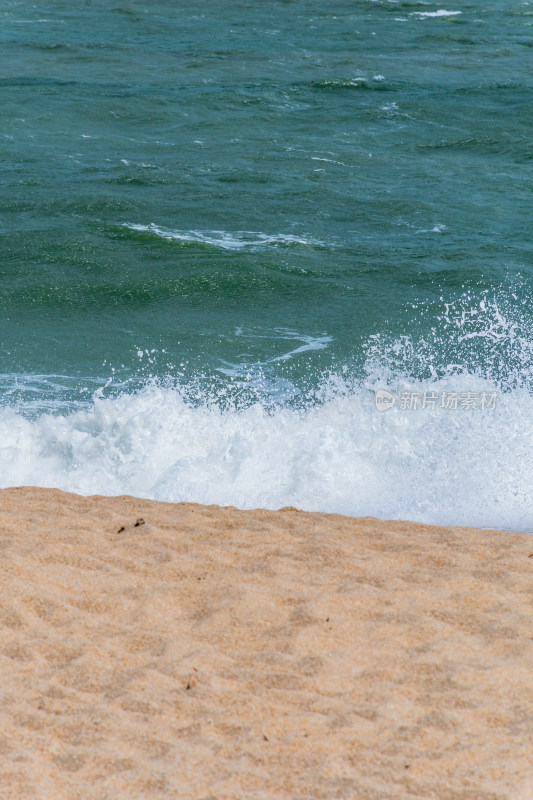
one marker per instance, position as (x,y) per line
(217,653)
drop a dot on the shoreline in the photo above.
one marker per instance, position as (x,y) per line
(183,651)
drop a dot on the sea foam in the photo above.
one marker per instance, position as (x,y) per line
(340,454)
(441,12)
(454,446)
(239,240)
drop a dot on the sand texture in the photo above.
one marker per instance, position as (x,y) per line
(208,652)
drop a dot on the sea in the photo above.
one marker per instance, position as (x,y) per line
(270,253)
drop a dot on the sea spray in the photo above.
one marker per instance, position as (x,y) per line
(453,444)
(442,465)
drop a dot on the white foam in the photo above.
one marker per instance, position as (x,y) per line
(254,443)
(392,107)
(439,228)
(339,454)
(227,241)
(255,376)
(440,13)
(329,161)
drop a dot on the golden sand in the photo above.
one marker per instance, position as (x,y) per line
(151,650)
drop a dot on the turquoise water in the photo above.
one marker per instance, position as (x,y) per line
(224,226)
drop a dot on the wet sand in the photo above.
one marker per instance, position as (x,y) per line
(152,650)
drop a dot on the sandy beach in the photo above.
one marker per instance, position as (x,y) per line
(151,650)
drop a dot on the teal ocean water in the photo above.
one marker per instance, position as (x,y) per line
(228,228)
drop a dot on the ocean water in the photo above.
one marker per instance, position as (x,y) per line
(268,254)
